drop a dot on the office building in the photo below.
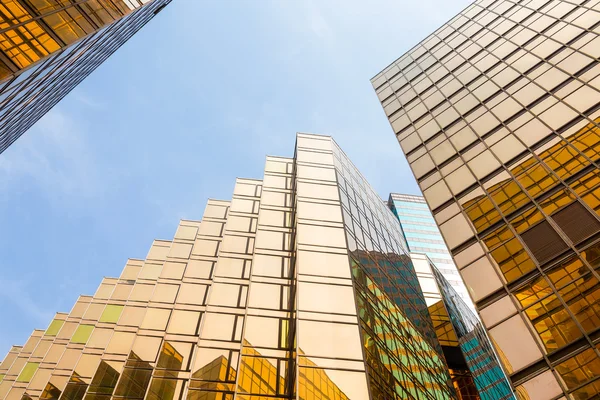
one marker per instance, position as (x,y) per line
(300,287)
(497,113)
(47,47)
(473,365)
(423,236)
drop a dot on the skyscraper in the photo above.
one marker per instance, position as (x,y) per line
(300,287)
(497,113)
(47,47)
(423,236)
(474,367)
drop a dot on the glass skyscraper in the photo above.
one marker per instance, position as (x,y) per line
(299,287)
(423,236)
(47,47)
(474,367)
(497,113)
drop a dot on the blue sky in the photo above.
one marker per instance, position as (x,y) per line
(197,98)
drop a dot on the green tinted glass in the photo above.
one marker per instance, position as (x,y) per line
(111,314)
(82,334)
(27,372)
(54,327)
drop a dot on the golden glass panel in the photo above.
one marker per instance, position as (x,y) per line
(134,382)
(500,235)
(566,271)
(534,290)
(50,392)
(537,179)
(580,368)
(526,220)
(261,375)
(553,324)
(217,365)
(442,325)
(556,201)
(564,160)
(509,196)
(105,379)
(164,389)
(318,383)
(583,299)
(512,259)
(592,256)
(587,141)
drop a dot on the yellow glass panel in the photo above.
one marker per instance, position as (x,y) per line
(82,334)
(580,368)
(482,213)
(526,220)
(111,314)
(27,372)
(553,324)
(556,201)
(512,259)
(509,196)
(54,327)
(583,299)
(537,180)
(533,291)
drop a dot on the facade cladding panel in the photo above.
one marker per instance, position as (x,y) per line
(497,113)
(423,236)
(47,47)
(297,288)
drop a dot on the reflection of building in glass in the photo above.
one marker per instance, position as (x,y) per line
(423,236)
(47,47)
(497,113)
(298,288)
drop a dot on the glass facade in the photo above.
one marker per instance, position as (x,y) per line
(497,113)
(47,47)
(423,236)
(300,287)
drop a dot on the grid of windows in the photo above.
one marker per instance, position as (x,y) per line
(497,113)
(47,47)
(422,235)
(263,298)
